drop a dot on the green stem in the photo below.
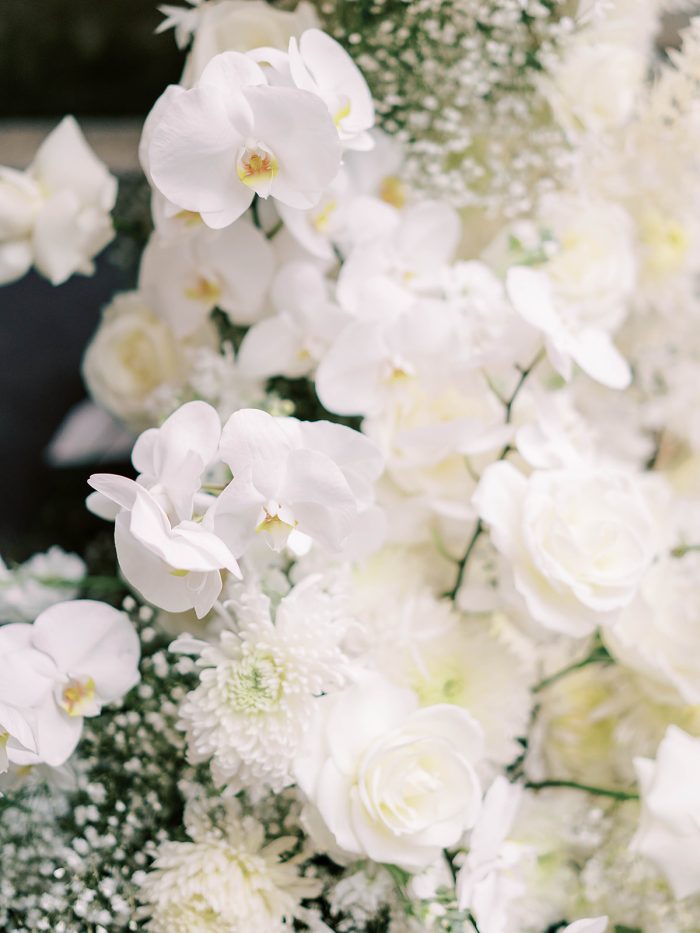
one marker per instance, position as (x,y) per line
(598,656)
(684,549)
(255,211)
(588,788)
(524,373)
(462,564)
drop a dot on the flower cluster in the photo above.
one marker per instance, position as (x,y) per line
(416,492)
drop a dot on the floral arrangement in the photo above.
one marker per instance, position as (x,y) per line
(403,633)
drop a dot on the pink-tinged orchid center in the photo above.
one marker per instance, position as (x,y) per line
(78,697)
(257,168)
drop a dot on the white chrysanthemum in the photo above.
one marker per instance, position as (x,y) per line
(227,880)
(593,722)
(425,645)
(251,708)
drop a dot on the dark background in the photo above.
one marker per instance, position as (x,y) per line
(94,59)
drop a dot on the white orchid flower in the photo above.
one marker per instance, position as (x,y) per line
(185,278)
(590,347)
(170,461)
(294,340)
(373,361)
(56,215)
(17,742)
(233,136)
(75,658)
(304,478)
(321,65)
(165,544)
(410,255)
(173,564)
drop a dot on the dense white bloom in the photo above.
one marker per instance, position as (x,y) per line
(252,708)
(185,278)
(596,85)
(293,477)
(321,65)
(56,214)
(132,355)
(233,136)
(579,297)
(657,634)
(669,828)
(76,657)
(422,643)
(592,723)
(578,541)
(234,26)
(483,883)
(408,258)
(165,544)
(41,581)
(228,879)
(293,341)
(373,361)
(389,780)
(486,324)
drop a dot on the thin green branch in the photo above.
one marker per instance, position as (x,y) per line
(479,528)
(598,656)
(588,788)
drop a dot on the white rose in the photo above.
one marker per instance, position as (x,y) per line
(578,541)
(659,633)
(390,781)
(131,355)
(593,266)
(669,826)
(596,85)
(242,25)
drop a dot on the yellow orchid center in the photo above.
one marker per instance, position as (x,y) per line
(273,523)
(323,217)
(392,191)
(257,168)
(4,739)
(204,289)
(189,218)
(342,112)
(78,696)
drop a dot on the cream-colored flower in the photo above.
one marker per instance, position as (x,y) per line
(577,541)
(228,879)
(658,635)
(133,354)
(239,26)
(389,780)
